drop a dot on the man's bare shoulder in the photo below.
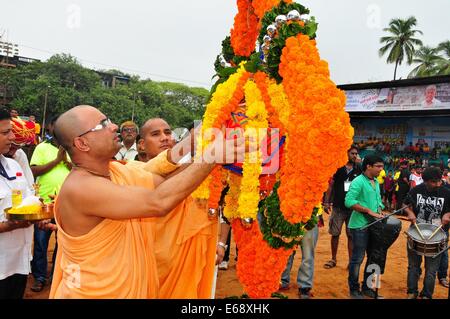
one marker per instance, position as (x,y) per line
(77,198)
(81,184)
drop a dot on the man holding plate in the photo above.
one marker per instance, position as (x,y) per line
(15,236)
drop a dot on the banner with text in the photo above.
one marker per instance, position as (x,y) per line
(412,98)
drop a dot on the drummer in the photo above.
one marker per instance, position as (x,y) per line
(427,203)
(15,237)
(365,201)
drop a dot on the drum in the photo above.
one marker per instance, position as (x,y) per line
(426,247)
(382,236)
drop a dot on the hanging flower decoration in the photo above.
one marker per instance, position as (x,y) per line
(317,116)
(259,267)
(244,33)
(231,199)
(225,98)
(262,7)
(277,231)
(257,119)
(280,84)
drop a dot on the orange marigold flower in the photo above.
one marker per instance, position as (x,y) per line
(245,30)
(259,266)
(317,116)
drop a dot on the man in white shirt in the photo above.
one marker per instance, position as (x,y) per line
(128,132)
(15,237)
(430,100)
(415,179)
(23,136)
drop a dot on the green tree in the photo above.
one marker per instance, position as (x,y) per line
(401,43)
(62,82)
(8,84)
(189,103)
(444,64)
(428,59)
(71,73)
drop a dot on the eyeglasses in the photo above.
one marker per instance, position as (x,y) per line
(100,126)
(129,130)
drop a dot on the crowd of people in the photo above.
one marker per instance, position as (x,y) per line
(92,167)
(361,192)
(399,147)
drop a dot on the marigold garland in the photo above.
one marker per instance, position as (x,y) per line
(317,116)
(245,31)
(233,104)
(262,81)
(224,98)
(309,110)
(257,119)
(280,102)
(263,6)
(231,199)
(215,187)
(259,266)
(277,232)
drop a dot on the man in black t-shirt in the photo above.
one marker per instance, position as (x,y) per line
(334,203)
(427,203)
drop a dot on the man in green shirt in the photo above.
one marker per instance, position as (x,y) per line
(365,201)
(50,167)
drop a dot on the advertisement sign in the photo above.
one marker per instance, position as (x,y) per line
(412,98)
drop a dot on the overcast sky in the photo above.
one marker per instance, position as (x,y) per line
(178,40)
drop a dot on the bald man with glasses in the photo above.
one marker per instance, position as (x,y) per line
(106,248)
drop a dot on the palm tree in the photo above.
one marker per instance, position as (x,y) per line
(401,43)
(444,64)
(429,61)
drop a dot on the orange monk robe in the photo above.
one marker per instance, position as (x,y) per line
(113,260)
(185,247)
(185,251)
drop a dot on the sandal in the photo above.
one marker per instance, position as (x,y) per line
(444,282)
(38,286)
(330,264)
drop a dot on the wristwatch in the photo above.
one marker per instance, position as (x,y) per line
(224,246)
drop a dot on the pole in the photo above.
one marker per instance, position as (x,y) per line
(45,111)
(379,220)
(448,247)
(134,104)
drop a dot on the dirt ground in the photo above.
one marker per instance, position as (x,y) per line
(328,283)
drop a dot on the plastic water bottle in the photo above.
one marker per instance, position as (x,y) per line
(19,186)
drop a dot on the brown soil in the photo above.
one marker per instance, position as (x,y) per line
(328,283)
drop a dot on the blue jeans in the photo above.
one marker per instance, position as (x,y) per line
(306,270)
(360,247)
(414,272)
(443,267)
(39,263)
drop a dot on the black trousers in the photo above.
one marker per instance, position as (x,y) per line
(400,196)
(13,287)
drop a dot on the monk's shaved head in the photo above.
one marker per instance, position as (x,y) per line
(71,124)
(150,124)
(156,136)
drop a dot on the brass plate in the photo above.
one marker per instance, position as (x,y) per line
(44,214)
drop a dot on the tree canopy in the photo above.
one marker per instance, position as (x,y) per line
(66,83)
(400,44)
